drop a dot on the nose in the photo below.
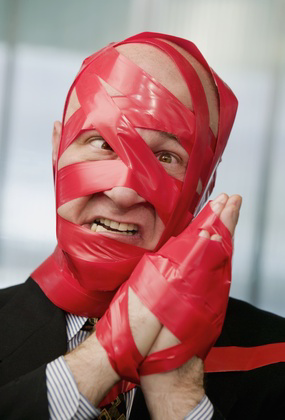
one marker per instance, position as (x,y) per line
(124,197)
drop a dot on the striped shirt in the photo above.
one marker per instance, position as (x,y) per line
(66,402)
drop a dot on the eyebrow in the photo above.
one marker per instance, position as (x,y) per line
(169,135)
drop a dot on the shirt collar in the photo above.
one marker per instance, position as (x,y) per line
(74,323)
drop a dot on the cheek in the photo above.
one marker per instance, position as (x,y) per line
(155,234)
(73,209)
(71,155)
(159,225)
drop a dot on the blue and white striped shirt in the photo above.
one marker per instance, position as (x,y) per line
(66,402)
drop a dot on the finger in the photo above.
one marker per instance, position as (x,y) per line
(164,340)
(141,319)
(230,213)
(216,237)
(218,204)
(204,233)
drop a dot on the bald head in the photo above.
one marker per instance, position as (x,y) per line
(158,64)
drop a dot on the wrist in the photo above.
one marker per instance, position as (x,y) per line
(92,370)
(175,393)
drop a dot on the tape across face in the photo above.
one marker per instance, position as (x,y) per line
(86,269)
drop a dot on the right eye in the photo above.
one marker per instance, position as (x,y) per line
(99,144)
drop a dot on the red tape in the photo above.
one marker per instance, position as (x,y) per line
(114,333)
(232,359)
(186,286)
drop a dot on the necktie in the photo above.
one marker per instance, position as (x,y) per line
(90,324)
(114,411)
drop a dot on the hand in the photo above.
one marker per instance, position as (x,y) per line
(89,362)
(175,393)
(129,328)
(91,370)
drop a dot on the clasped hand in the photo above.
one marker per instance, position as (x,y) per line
(134,337)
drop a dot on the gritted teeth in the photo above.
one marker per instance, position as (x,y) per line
(101,225)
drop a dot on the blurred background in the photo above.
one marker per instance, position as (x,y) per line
(42,44)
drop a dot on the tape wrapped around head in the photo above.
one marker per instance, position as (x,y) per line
(86,269)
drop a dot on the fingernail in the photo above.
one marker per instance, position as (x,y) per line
(216,206)
(235,214)
(238,202)
(222,198)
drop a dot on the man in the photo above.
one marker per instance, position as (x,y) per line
(144,127)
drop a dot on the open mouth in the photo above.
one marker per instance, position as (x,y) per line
(107,225)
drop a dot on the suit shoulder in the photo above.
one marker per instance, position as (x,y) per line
(251,326)
(8,293)
(28,288)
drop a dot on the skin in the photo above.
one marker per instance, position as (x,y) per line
(172,394)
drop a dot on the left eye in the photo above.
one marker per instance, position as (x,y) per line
(166,157)
(100,144)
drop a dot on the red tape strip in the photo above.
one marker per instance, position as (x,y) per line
(231,359)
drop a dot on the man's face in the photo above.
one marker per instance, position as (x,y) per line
(120,213)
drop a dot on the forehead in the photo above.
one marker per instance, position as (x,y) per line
(162,68)
(114,88)
(155,63)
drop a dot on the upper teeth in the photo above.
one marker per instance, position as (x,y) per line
(127,228)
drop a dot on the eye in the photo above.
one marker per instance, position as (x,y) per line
(166,157)
(99,144)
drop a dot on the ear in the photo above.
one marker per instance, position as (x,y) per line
(56,134)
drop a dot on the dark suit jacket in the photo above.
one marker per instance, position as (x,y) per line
(33,332)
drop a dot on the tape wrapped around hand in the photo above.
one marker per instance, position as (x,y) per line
(193,305)
(186,286)
(114,333)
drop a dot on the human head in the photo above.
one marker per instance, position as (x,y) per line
(158,65)
(146,85)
